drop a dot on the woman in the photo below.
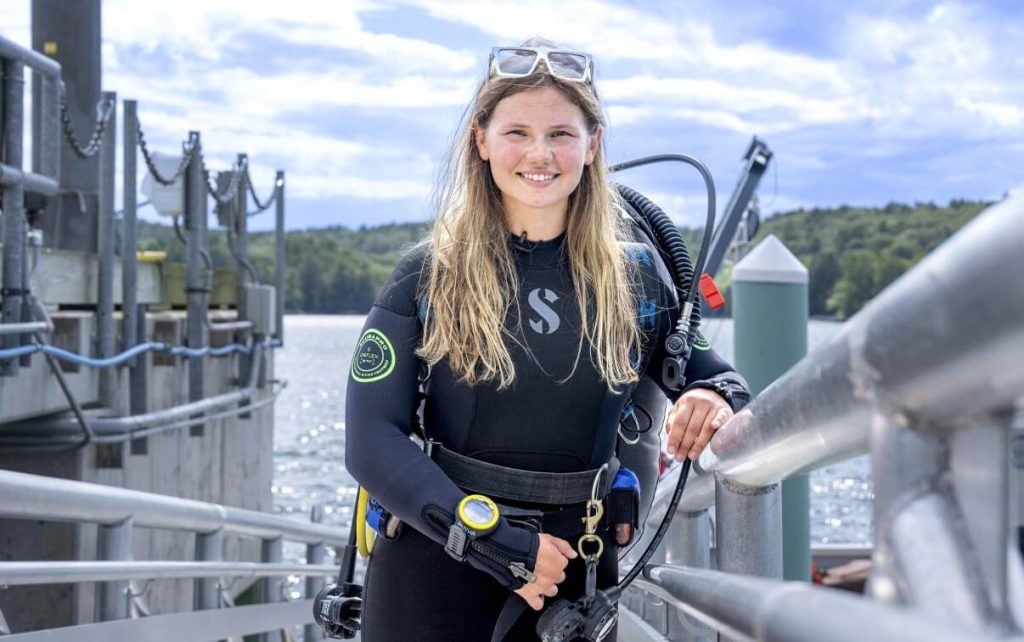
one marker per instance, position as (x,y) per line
(530,315)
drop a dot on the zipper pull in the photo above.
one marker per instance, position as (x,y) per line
(519,570)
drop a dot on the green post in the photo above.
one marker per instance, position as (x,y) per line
(769,290)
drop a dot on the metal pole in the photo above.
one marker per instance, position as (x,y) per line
(209,548)
(654,609)
(279,245)
(242,232)
(749,533)
(138,382)
(129,276)
(114,543)
(270,587)
(13,204)
(770,302)
(688,543)
(105,252)
(195,221)
(315,554)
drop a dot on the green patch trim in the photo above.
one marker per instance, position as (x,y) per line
(374,358)
(700,343)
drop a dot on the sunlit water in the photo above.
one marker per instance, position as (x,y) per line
(309,442)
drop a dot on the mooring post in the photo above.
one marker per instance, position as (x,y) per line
(770,301)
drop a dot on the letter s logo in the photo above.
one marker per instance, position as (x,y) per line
(544,310)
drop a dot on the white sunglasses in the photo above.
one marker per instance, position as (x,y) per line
(519,62)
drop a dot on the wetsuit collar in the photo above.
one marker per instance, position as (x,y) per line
(548,253)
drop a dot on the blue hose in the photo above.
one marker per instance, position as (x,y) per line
(116,360)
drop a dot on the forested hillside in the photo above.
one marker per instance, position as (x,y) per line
(854,253)
(851,253)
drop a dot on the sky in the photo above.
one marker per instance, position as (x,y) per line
(861,103)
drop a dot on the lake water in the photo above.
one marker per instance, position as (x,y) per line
(309,442)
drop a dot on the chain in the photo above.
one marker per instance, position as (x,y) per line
(260,207)
(97,133)
(232,190)
(187,149)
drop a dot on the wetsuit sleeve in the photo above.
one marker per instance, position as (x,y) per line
(705,369)
(380,405)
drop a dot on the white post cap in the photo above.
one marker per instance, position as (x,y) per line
(770,262)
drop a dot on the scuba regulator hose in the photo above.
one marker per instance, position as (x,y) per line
(592,618)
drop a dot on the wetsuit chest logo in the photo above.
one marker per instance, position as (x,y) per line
(549,321)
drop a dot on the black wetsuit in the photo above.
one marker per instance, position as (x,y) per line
(414,590)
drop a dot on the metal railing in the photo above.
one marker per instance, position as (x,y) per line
(926,378)
(119,511)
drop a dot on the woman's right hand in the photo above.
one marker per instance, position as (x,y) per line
(553,556)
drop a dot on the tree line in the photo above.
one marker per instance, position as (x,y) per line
(851,253)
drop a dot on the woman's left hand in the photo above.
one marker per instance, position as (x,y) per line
(693,420)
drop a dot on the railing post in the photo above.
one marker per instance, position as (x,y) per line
(114,543)
(279,245)
(770,301)
(195,220)
(13,124)
(105,251)
(315,554)
(748,538)
(688,543)
(209,548)
(654,609)
(271,552)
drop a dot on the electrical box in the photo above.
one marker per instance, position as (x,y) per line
(261,308)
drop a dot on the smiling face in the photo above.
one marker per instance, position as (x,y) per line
(537,143)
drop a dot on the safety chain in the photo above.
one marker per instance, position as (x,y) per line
(187,148)
(96,139)
(240,172)
(256,199)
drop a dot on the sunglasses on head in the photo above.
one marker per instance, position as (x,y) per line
(519,62)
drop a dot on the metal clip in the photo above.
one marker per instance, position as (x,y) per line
(595,511)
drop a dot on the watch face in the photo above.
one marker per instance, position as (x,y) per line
(477,512)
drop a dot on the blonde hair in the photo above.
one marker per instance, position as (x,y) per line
(472,281)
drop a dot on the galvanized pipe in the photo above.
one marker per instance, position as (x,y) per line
(913,347)
(279,246)
(57,572)
(315,555)
(749,608)
(24,328)
(195,218)
(30,181)
(105,250)
(114,544)
(52,499)
(13,206)
(10,50)
(209,548)
(688,543)
(47,148)
(121,425)
(129,259)
(748,538)
(271,552)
